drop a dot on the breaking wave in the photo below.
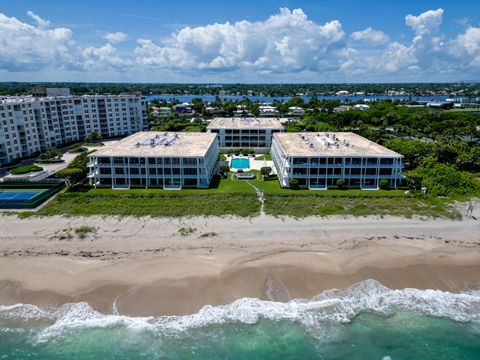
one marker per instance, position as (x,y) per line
(338,306)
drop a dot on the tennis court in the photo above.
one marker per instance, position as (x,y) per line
(22,196)
(19,195)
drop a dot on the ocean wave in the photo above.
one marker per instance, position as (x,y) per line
(338,306)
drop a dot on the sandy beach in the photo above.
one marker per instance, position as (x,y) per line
(145,266)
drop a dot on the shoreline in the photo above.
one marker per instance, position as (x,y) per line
(147,267)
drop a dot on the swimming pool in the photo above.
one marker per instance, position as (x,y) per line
(240,163)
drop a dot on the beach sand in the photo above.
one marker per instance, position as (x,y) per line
(145,266)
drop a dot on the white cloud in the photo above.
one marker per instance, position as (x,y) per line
(286,46)
(369,36)
(101,57)
(465,49)
(24,47)
(427,22)
(116,37)
(40,22)
(285,42)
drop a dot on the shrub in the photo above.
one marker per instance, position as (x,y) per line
(78,149)
(25,169)
(224,169)
(247,152)
(51,153)
(265,171)
(294,185)
(342,184)
(93,137)
(71,175)
(384,184)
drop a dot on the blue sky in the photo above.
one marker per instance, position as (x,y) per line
(239,41)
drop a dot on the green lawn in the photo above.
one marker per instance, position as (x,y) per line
(25,169)
(264,157)
(237,197)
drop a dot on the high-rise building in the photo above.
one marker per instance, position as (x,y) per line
(29,125)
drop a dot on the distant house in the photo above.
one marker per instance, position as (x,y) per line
(342,108)
(213,110)
(440,105)
(161,111)
(342,93)
(295,111)
(183,108)
(268,111)
(361,107)
(164,111)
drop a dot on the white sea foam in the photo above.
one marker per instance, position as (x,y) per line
(337,306)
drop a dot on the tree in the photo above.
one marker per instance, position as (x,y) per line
(265,171)
(94,136)
(294,185)
(51,153)
(384,184)
(342,184)
(71,175)
(224,169)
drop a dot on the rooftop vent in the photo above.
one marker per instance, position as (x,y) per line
(160,139)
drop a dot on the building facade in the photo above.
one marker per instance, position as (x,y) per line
(245,133)
(156,159)
(318,160)
(29,125)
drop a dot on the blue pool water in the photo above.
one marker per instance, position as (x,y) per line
(240,163)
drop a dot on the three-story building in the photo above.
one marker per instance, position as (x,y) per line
(156,159)
(318,160)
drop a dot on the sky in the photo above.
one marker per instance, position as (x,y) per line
(249,41)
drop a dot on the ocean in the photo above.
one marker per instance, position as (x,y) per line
(364,321)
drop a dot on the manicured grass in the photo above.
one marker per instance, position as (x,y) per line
(264,157)
(25,169)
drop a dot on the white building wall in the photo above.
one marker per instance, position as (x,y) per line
(165,172)
(29,125)
(259,140)
(323,171)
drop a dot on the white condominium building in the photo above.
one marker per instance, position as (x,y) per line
(318,160)
(29,124)
(245,133)
(156,159)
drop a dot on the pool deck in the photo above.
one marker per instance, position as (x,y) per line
(254,164)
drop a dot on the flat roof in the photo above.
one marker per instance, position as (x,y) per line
(244,123)
(31,98)
(315,144)
(160,144)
